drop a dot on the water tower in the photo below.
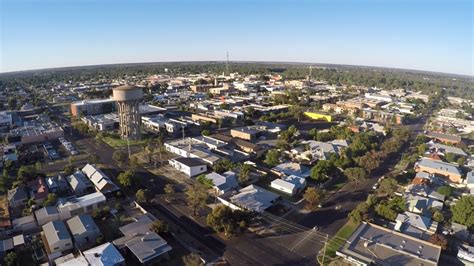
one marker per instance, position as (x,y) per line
(128,99)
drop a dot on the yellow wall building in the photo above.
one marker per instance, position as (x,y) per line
(318,116)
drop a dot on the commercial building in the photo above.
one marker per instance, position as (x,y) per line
(371,244)
(92,107)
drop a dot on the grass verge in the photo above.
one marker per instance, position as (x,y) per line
(119,143)
(338,241)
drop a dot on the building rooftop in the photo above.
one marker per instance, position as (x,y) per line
(80,224)
(103,255)
(379,245)
(55,231)
(254,198)
(439,165)
(191,162)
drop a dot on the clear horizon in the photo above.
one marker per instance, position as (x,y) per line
(418,35)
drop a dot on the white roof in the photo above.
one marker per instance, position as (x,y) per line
(254,198)
(84,201)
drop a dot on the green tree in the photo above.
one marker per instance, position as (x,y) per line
(206,182)
(141,196)
(450,157)
(196,196)
(223,166)
(445,190)
(244,173)
(126,179)
(370,161)
(159,227)
(272,157)
(169,192)
(356,174)
(192,259)
(438,216)
(11,259)
(322,170)
(313,197)
(222,219)
(205,132)
(50,200)
(388,186)
(463,211)
(68,169)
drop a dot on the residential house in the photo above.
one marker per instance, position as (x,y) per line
(17,197)
(371,244)
(69,207)
(223,183)
(106,254)
(442,149)
(448,170)
(252,198)
(422,205)
(189,166)
(442,137)
(147,246)
(57,184)
(289,184)
(38,189)
(291,168)
(84,231)
(415,225)
(46,214)
(56,237)
(321,150)
(80,184)
(101,181)
(425,191)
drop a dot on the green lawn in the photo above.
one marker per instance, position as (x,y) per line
(119,143)
(338,240)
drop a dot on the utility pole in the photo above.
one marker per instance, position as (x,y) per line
(128,146)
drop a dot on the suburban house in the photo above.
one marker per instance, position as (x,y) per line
(84,230)
(147,246)
(189,166)
(17,197)
(289,184)
(371,244)
(415,225)
(56,237)
(425,191)
(223,182)
(252,198)
(79,183)
(69,207)
(291,168)
(422,205)
(319,150)
(38,189)
(448,170)
(57,184)
(46,214)
(442,149)
(99,179)
(442,137)
(106,254)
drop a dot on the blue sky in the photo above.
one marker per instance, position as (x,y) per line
(425,35)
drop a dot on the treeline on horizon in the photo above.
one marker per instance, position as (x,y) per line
(427,82)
